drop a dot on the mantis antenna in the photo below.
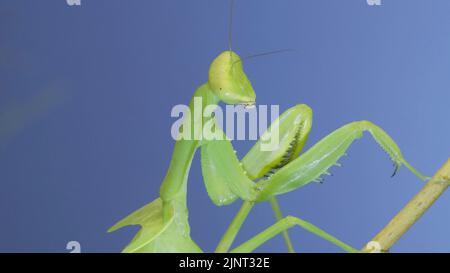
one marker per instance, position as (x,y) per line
(264,54)
(230,38)
(268,53)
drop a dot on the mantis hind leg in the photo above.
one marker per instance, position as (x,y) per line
(315,162)
(278,216)
(283,225)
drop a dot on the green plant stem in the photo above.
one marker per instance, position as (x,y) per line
(233,229)
(281,226)
(279,215)
(415,208)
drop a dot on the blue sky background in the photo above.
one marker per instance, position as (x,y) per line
(86,94)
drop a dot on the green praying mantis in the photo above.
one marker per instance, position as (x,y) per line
(259,176)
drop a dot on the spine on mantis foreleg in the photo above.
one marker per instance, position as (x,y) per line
(315,162)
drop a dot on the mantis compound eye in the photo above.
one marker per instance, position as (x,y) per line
(228,81)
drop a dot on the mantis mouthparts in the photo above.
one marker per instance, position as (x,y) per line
(248,105)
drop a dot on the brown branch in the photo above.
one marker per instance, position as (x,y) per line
(415,208)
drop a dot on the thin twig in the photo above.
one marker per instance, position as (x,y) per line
(412,212)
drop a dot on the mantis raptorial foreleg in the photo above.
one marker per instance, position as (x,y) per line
(297,172)
(291,129)
(294,126)
(317,160)
(226,178)
(283,225)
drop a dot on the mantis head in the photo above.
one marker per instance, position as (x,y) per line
(228,81)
